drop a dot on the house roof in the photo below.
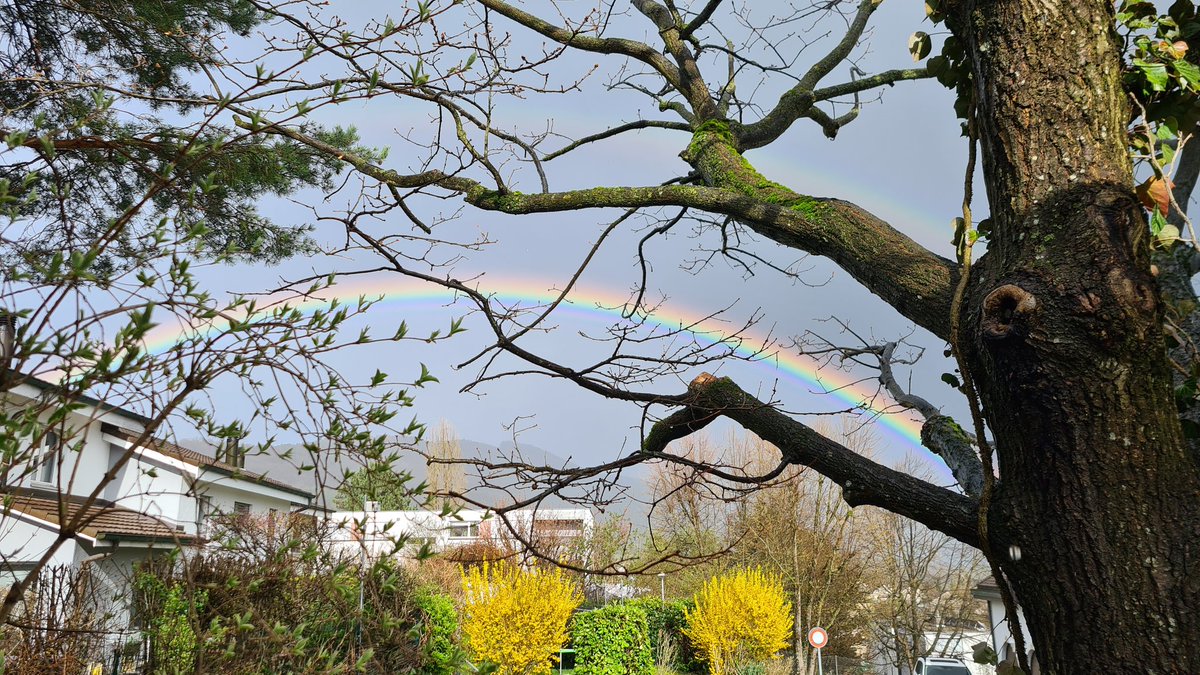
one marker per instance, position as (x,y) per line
(986,589)
(100,520)
(52,388)
(203,461)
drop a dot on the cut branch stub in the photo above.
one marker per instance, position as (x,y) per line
(1006,310)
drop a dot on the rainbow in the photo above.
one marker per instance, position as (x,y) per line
(596,304)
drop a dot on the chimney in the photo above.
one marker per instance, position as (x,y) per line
(231,453)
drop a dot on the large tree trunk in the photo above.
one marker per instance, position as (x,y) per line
(1062,331)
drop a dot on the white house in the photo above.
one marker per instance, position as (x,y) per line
(403,532)
(1001,631)
(161,497)
(952,638)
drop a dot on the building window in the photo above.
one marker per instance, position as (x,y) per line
(48,458)
(241,508)
(463,530)
(12,573)
(203,512)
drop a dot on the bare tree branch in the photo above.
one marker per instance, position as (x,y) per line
(912,279)
(619,129)
(863,481)
(797,101)
(571,38)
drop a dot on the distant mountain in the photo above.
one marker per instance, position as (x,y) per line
(326,471)
(322,475)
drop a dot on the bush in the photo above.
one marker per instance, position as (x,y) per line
(739,618)
(612,640)
(63,626)
(171,633)
(284,604)
(442,655)
(665,622)
(516,618)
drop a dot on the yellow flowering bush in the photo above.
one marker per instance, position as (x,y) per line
(517,618)
(740,617)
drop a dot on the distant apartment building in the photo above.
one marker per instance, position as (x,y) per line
(405,533)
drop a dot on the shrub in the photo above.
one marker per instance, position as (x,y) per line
(172,634)
(740,617)
(442,655)
(284,604)
(665,622)
(63,626)
(516,618)
(612,640)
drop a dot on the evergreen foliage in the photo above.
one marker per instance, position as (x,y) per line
(612,640)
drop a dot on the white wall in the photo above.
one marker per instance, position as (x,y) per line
(378,532)
(1002,631)
(80,471)
(153,487)
(23,539)
(224,491)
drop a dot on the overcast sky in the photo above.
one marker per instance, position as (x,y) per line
(903,159)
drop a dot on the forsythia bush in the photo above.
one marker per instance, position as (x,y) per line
(739,617)
(517,618)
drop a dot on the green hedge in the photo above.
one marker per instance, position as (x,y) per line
(665,622)
(442,655)
(612,640)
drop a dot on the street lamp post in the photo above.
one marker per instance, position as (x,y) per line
(662,586)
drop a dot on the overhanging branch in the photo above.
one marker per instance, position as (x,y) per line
(863,481)
(910,278)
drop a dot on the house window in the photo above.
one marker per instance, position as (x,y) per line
(463,530)
(241,508)
(14,572)
(48,458)
(203,511)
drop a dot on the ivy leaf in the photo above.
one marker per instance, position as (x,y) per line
(951,380)
(933,10)
(1168,233)
(937,65)
(919,45)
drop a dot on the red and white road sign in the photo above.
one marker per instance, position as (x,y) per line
(817,637)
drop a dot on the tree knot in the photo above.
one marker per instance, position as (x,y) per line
(1005,309)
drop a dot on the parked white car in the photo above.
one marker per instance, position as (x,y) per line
(931,665)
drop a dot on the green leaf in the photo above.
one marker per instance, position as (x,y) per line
(919,45)
(1155,73)
(1158,222)
(937,65)
(1168,233)
(1190,72)
(951,380)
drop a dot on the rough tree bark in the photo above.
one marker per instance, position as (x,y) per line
(1064,336)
